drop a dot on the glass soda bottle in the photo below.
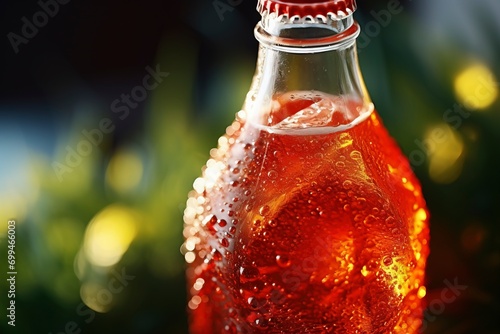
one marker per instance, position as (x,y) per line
(307,217)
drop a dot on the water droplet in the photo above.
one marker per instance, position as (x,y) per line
(230,328)
(222,222)
(369,220)
(261,323)
(355,155)
(371,265)
(340,164)
(236,170)
(390,220)
(358,218)
(273,223)
(210,221)
(232,229)
(249,273)
(264,210)
(283,261)
(344,137)
(347,207)
(347,184)
(224,242)
(387,260)
(359,203)
(272,174)
(255,303)
(216,255)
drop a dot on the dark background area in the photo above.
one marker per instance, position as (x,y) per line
(418,63)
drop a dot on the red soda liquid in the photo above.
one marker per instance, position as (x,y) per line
(313,223)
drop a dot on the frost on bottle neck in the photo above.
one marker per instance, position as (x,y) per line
(307,85)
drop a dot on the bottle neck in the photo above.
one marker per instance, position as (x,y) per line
(307,60)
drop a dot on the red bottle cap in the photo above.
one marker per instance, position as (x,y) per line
(304,8)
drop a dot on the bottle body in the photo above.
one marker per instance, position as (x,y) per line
(307,218)
(308,233)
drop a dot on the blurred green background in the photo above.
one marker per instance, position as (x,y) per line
(97,183)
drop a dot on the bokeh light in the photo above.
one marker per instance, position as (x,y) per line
(124,171)
(109,235)
(97,297)
(446,149)
(476,87)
